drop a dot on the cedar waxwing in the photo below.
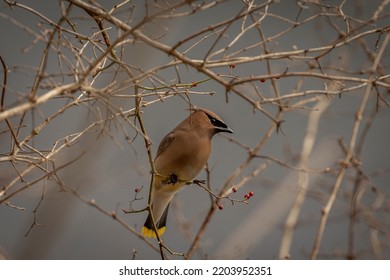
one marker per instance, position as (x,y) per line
(181,155)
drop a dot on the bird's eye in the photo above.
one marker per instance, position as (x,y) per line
(213,121)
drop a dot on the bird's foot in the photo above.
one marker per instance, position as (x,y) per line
(172,179)
(198,182)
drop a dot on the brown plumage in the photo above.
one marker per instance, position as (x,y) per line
(181,155)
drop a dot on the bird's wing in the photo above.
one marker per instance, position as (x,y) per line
(167,140)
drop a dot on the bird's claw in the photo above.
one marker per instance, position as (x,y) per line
(198,182)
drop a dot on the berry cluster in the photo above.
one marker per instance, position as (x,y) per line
(234,190)
(249,195)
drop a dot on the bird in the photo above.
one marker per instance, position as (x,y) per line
(180,157)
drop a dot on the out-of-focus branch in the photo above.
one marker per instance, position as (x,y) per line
(303,179)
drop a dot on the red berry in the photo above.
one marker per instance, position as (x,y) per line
(262,80)
(251,193)
(232,66)
(220,206)
(234,189)
(247,196)
(137,190)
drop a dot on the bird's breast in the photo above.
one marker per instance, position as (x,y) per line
(185,158)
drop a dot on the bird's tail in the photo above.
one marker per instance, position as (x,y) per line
(148,229)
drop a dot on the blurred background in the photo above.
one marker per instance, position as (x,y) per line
(290,78)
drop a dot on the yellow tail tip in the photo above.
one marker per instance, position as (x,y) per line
(149,233)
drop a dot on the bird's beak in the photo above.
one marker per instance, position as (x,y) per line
(225,129)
